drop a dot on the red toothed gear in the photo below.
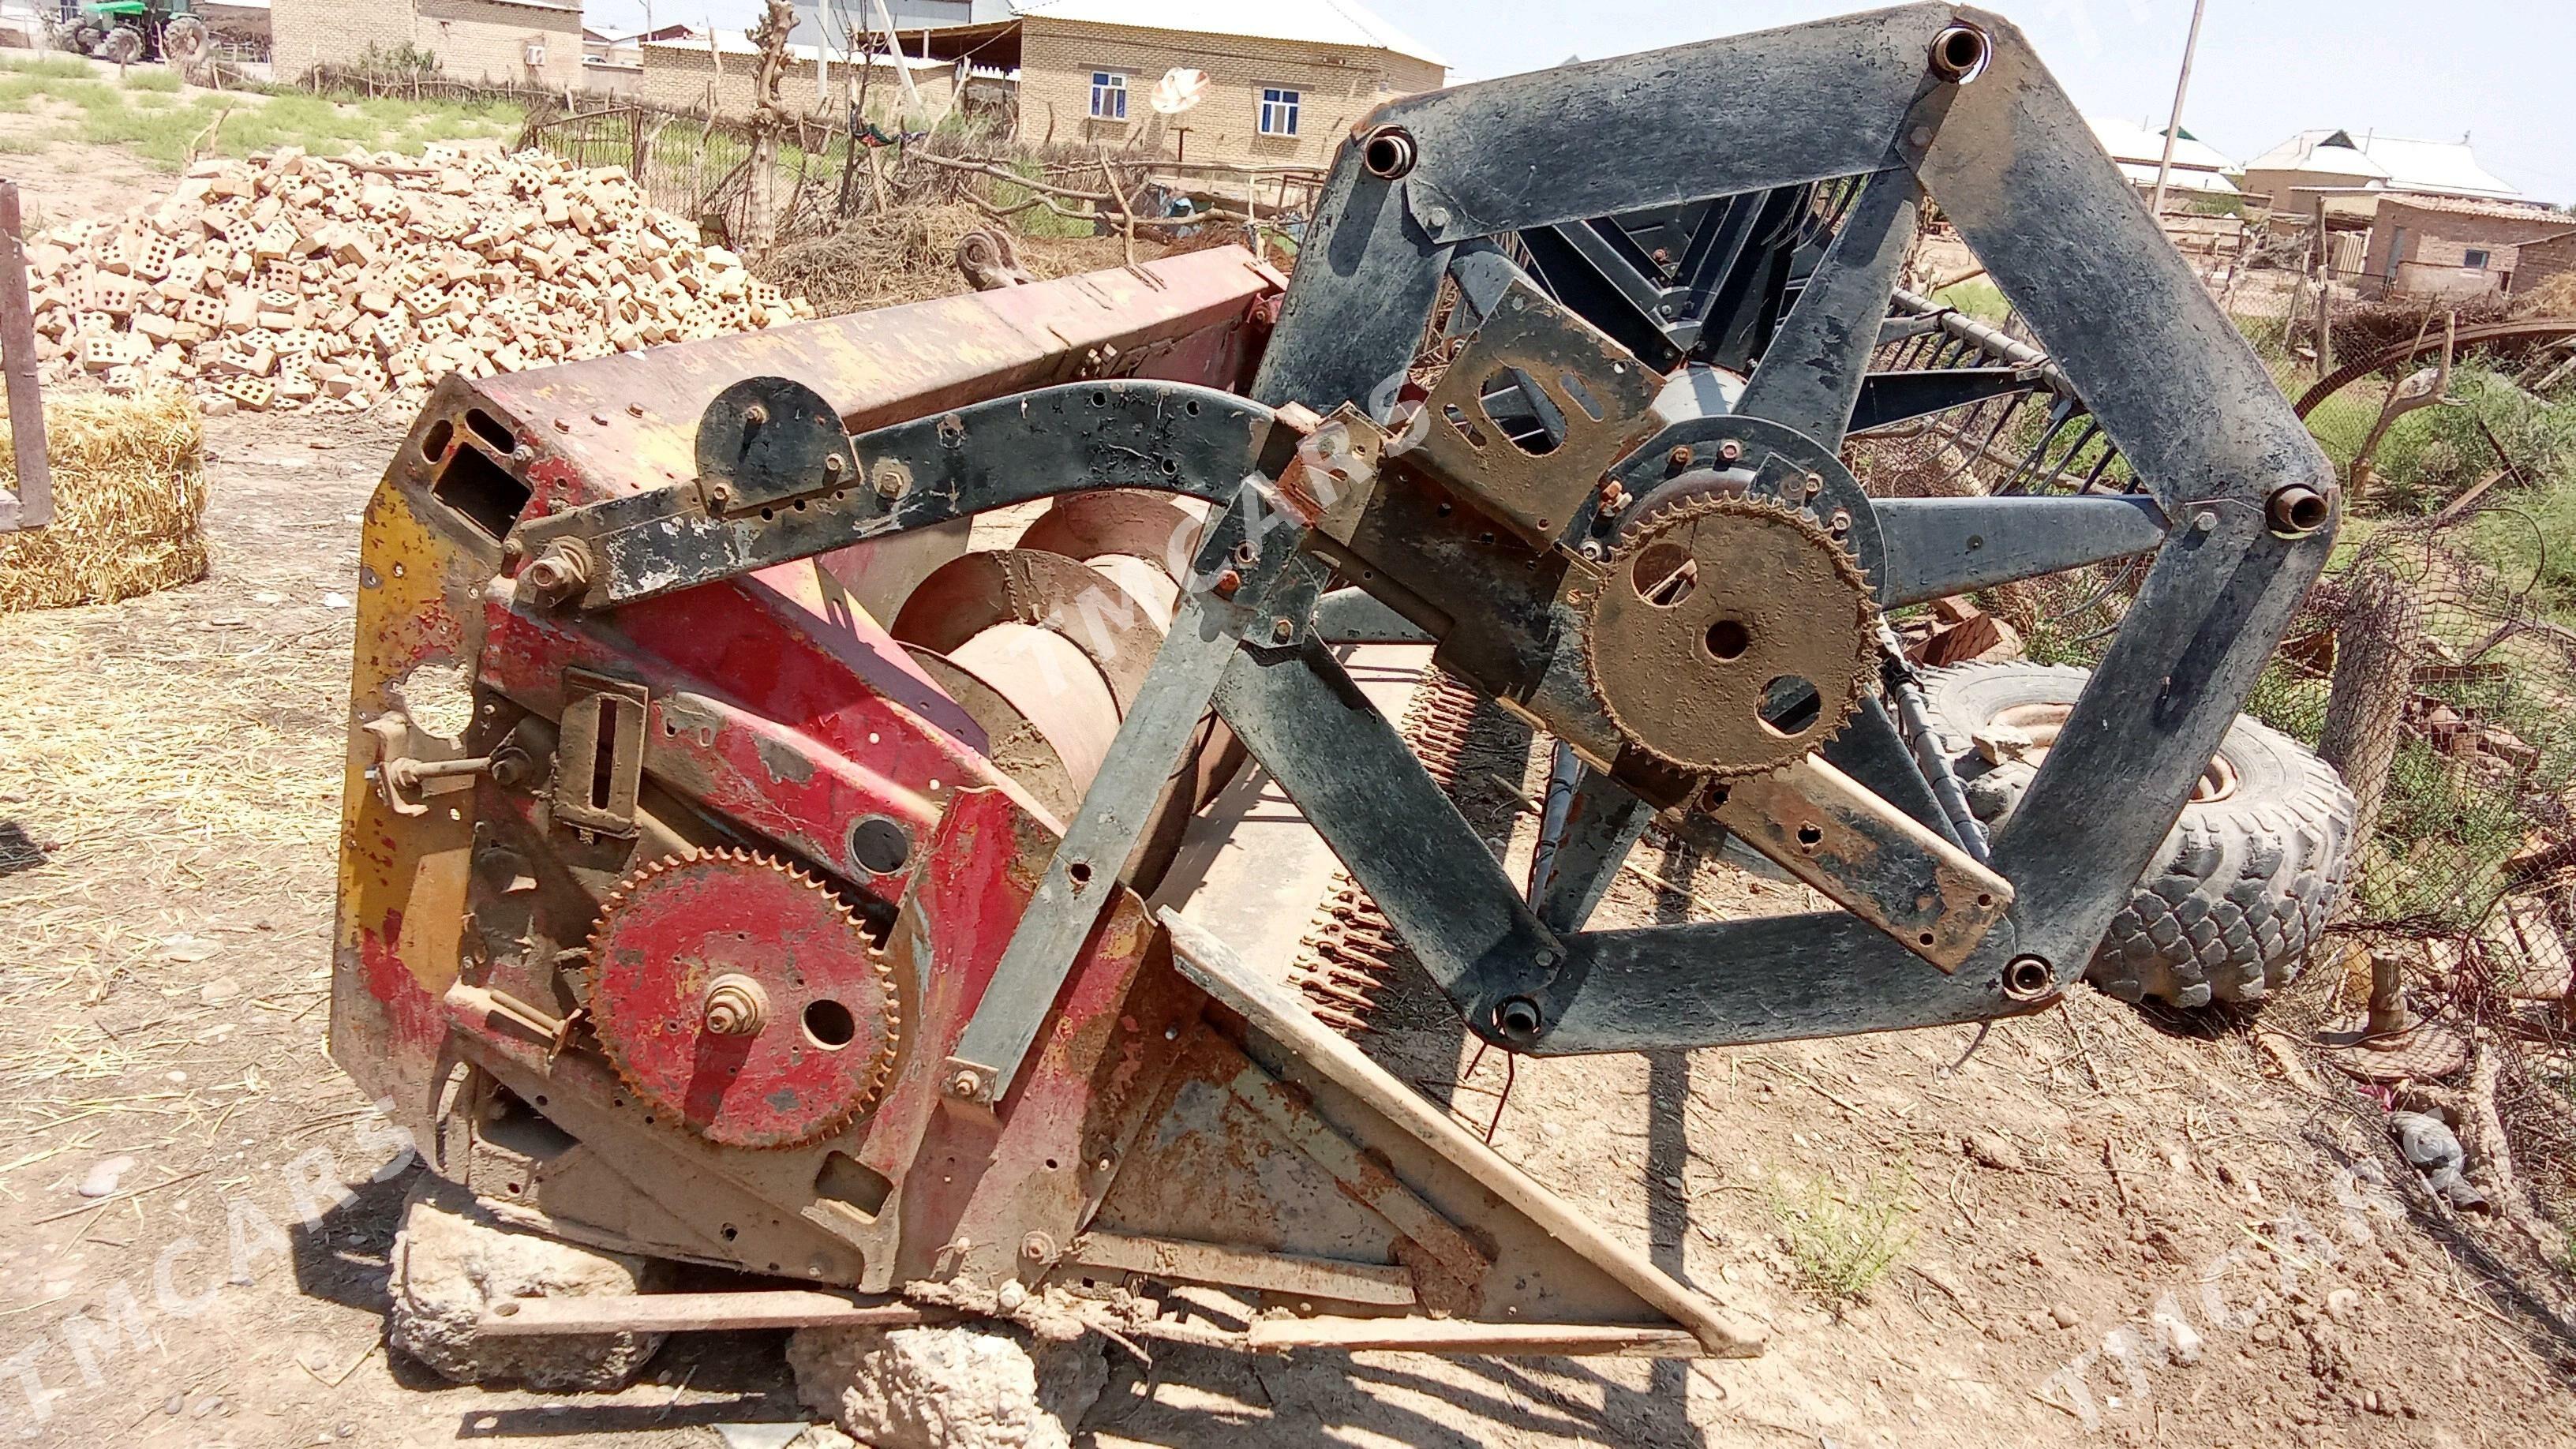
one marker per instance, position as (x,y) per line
(737,994)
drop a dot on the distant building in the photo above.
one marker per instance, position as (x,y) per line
(827,24)
(1288,78)
(2198,169)
(612,61)
(2327,161)
(520,42)
(717,71)
(2447,246)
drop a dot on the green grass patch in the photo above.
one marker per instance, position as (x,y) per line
(147,116)
(1978,298)
(58,67)
(1842,1240)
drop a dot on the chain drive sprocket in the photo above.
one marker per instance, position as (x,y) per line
(739,996)
(1714,609)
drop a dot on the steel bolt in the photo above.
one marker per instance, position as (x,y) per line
(1682,457)
(1842,520)
(965,1084)
(1730,451)
(1921,137)
(893,480)
(1228,584)
(1037,1247)
(833,464)
(559,573)
(512,550)
(1435,216)
(635,410)
(736,1006)
(1518,1017)
(1281,631)
(754,415)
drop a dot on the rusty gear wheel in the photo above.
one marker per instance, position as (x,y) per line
(735,993)
(1732,635)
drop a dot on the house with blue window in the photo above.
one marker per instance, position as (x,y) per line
(1283,80)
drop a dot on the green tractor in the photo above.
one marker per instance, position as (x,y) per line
(128,31)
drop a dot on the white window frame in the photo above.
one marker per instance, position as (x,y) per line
(1294,102)
(1106,84)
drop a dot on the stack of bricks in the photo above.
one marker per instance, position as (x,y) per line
(294,281)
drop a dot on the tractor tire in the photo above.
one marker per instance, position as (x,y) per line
(2245,880)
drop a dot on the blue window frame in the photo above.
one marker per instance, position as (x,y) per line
(1108,95)
(1279,108)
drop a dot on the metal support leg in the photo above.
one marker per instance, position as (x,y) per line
(1151,744)
(1602,824)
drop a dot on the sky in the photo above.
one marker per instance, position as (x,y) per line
(2493,70)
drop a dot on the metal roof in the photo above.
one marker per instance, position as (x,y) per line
(2394,161)
(1322,22)
(2128,141)
(738,43)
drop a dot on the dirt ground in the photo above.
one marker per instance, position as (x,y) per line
(2109,1227)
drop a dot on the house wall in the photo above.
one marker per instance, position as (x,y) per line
(1337,86)
(2436,244)
(2272,188)
(485,40)
(306,33)
(2542,260)
(680,76)
(473,39)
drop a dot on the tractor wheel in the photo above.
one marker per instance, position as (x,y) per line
(2247,876)
(183,43)
(124,45)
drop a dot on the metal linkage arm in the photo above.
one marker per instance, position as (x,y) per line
(786,483)
(2198,417)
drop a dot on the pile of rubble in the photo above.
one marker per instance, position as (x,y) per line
(296,281)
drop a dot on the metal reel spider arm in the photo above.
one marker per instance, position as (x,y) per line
(2160,368)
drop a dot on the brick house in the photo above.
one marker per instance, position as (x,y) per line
(1288,78)
(520,42)
(2453,246)
(691,74)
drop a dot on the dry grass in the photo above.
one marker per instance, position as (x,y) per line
(129,503)
(906,255)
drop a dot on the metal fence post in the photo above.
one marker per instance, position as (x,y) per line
(33,504)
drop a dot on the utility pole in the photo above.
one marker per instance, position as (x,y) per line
(2173,128)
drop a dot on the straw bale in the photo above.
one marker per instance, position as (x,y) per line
(129,502)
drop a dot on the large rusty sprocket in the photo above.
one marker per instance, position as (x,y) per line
(735,993)
(1713,607)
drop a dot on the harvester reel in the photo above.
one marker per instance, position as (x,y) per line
(1688,599)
